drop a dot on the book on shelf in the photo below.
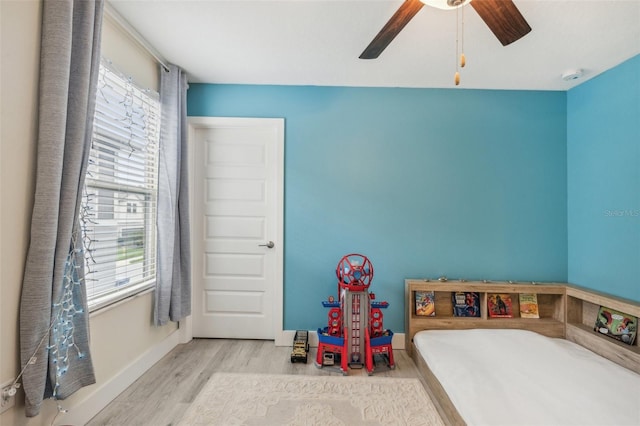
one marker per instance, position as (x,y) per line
(466,303)
(617,325)
(425,303)
(528,305)
(499,305)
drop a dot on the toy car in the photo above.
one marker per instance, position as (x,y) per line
(300,346)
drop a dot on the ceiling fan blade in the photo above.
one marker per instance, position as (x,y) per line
(503,18)
(392,28)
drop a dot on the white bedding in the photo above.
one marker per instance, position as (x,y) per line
(518,377)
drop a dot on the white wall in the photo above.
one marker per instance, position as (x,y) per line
(123,340)
(20,44)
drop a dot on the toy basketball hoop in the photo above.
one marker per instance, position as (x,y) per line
(354,272)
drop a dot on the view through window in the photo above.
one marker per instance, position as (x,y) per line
(118,211)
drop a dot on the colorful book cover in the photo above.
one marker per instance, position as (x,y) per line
(529,305)
(617,325)
(466,303)
(499,305)
(425,303)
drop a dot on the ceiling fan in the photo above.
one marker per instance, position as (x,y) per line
(501,16)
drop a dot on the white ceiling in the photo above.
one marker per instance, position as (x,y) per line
(312,42)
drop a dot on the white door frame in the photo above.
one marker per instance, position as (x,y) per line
(196,123)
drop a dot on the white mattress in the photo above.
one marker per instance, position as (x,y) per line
(518,377)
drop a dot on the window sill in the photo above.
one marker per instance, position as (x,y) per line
(111,300)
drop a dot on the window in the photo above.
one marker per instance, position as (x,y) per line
(118,210)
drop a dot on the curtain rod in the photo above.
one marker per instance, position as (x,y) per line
(134,34)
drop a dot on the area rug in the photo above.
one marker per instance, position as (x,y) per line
(266,399)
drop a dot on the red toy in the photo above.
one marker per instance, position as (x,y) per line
(355,331)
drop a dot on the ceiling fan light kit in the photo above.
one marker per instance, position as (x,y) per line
(445,4)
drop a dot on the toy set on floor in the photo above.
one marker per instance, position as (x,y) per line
(300,346)
(355,335)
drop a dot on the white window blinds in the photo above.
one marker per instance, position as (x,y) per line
(118,211)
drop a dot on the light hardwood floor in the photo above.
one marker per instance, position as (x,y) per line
(163,394)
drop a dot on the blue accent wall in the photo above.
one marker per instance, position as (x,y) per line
(425,182)
(603,145)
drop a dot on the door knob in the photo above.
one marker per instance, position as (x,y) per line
(270,244)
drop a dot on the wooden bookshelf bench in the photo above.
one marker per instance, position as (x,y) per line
(566,311)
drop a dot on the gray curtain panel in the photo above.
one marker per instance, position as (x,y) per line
(173,281)
(54,323)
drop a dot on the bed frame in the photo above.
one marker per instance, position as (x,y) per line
(566,311)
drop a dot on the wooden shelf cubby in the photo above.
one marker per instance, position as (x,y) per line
(551,306)
(582,310)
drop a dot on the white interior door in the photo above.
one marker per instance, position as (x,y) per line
(237,227)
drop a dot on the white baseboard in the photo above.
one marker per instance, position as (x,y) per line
(86,409)
(286,339)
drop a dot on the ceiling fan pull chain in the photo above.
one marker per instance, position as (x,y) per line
(456,77)
(463,59)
